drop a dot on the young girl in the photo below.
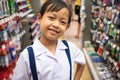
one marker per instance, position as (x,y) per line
(49,52)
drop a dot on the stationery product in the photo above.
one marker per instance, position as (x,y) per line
(11,4)
(1,9)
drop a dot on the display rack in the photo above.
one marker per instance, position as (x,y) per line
(91,66)
(105,31)
(12,33)
(29,22)
(24,7)
(32,29)
(10,44)
(98,67)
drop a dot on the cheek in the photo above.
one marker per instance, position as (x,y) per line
(63,29)
(42,27)
(43,23)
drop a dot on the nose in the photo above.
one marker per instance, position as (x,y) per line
(56,23)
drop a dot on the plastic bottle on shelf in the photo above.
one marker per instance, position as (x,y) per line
(11,6)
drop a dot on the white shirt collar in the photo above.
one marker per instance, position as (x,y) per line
(39,48)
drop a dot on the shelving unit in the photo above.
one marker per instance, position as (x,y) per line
(26,13)
(10,44)
(98,67)
(24,7)
(29,22)
(32,29)
(90,63)
(20,0)
(91,66)
(13,32)
(105,31)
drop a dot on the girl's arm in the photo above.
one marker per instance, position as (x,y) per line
(79,71)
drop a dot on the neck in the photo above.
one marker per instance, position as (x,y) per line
(49,44)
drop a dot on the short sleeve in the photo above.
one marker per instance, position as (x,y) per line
(76,54)
(21,72)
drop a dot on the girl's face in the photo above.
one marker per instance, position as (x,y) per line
(54,24)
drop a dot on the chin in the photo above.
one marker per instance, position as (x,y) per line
(53,39)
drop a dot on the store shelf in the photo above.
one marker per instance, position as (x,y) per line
(105,33)
(24,6)
(91,66)
(99,68)
(20,0)
(26,13)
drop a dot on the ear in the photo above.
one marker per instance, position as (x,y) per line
(38,18)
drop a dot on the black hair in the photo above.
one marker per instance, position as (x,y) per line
(55,5)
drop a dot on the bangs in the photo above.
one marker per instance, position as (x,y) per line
(54,7)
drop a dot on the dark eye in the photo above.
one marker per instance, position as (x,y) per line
(63,22)
(51,17)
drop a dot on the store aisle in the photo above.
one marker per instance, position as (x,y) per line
(69,35)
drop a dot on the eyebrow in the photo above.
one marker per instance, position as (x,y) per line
(54,13)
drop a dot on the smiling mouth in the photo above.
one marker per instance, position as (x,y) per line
(54,31)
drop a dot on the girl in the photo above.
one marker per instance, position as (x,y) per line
(49,52)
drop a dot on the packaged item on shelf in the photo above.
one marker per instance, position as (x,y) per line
(35,25)
(3,50)
(105,54)
(1,9)
(5,8)
(12,52)
(11,6)
(118,4)
(100,50)
(32,20)
(35,33)
(2,25)
(3,35)
(107,2)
